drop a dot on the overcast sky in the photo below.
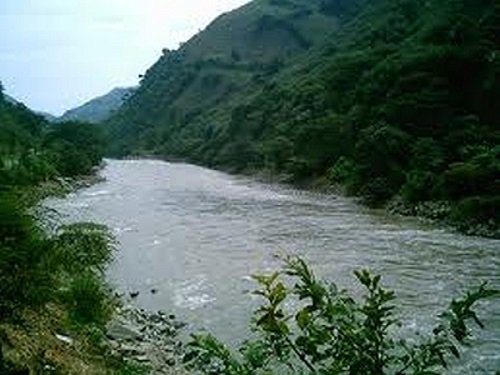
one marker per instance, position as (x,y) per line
(57,54)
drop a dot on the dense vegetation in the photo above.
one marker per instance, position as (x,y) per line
(307,326)
(33,151)
(51,276)
(386,98)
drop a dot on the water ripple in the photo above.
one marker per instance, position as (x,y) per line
(197,235)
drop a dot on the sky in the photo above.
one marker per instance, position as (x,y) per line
(58,54)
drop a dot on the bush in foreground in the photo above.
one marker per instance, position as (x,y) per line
(329,332)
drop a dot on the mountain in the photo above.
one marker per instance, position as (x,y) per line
(208,76)
(10,99)
(32,150)
(390,99)
(98,109)
(47,116)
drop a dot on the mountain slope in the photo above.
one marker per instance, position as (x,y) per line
(393,98)
(237,53)
(98,109)
(32,150)
(47,116)
(10,99)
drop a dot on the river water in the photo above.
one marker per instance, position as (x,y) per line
(196,235)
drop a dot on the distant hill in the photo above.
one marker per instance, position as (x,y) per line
(49,117)
(98,109)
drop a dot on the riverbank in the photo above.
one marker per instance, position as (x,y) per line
(67,320)
(148,339)
(133,342)
(440,213)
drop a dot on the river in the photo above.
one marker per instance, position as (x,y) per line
(196,235)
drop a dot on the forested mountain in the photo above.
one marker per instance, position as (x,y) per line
(10,99)
(49,117)
(51,275)
(100,108)
(388,98)
(218,69)
(33,150)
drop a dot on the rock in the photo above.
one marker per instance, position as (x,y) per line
(179,325)
(48,368)
(132,350)
(148,337)
(142,359)
(170,361)
(134,294)
(65,339)
(122,331)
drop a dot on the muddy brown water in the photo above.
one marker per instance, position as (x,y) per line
(195,236)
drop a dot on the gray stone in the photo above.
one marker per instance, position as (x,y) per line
(170,362)
(122,331)
(142,359)
(132,350)
(65,339)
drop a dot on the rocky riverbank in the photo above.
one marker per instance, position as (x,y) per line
(441,213)
(147,338)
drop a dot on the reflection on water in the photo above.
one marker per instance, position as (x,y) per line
(191,237)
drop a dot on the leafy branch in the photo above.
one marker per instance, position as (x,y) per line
(308,326)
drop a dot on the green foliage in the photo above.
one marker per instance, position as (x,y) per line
(98,109)
(88,300)
(133,369)
(342,171)
(75,147)
(307,326)
(405,91)
(420,186)
(33,151)
(34,266)
(38,267)
(82,252)
(27,272)
(84,246)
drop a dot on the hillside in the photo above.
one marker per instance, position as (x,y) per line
(98,109)
(10,99)
(210,73)
(388,99)
(47,116)
(33,151)
(51,279)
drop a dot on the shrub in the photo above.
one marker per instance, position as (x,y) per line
(420,186)
(480,209)
(342,171)
(315,328)
(34,265)
(27,275)
(88,300)
(84,246)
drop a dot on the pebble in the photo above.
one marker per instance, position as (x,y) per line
(147,338)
